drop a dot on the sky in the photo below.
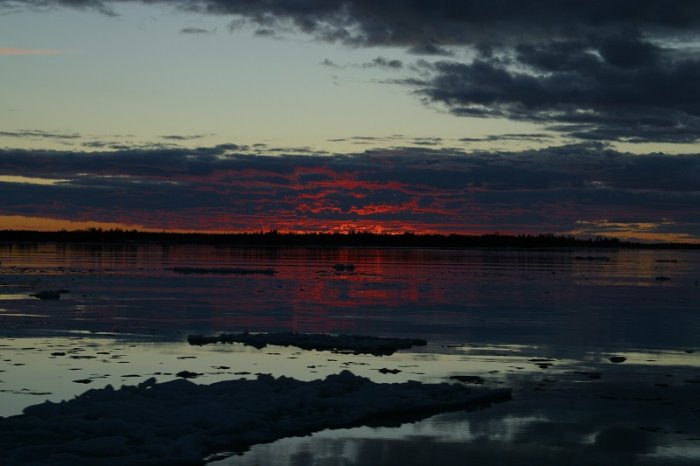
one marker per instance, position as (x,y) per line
(578,117)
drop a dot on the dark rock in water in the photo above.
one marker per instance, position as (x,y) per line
(187,374)
(475,379)
(344,267)
(663,278)
(617,359)
(49,294)
(384,370)
(83,381)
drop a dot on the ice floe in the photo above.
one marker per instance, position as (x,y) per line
(314,341)
(181,423)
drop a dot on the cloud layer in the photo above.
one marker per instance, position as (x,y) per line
(618,88)
(584,188)
(615,70)
(437,23)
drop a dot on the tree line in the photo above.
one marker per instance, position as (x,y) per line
(368,239)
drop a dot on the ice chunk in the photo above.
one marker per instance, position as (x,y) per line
(314,341)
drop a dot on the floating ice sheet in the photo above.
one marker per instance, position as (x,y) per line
(314,341)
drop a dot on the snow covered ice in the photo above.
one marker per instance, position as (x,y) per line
(180,422)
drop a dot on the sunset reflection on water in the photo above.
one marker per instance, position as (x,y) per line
(543,322)
(501,296)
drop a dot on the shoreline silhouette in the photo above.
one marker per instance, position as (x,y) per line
(275,238)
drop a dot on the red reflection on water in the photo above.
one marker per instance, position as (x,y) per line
(134,288)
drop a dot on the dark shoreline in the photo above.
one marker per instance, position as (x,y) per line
(358,239)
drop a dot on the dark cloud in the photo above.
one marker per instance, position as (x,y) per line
(266,32)
(426,141)
(97,5)
(538,137)
(363,140)
(381,62)
(39,134)
(396,139)
(622,70)
(429,49)
(588,94)
(195,30)
(106,145)
(330,63)
(182,137)
(585,187)
(430,24)
(125,145)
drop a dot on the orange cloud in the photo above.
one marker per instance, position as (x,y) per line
(14,51)
(21,222)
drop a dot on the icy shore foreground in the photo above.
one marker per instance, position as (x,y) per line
(180,422)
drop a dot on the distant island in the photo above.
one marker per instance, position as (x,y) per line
(275,238)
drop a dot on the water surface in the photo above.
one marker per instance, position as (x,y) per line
(543,322)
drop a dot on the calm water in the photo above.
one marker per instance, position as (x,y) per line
(542,322)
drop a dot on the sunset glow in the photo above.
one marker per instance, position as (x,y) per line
(229,116)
